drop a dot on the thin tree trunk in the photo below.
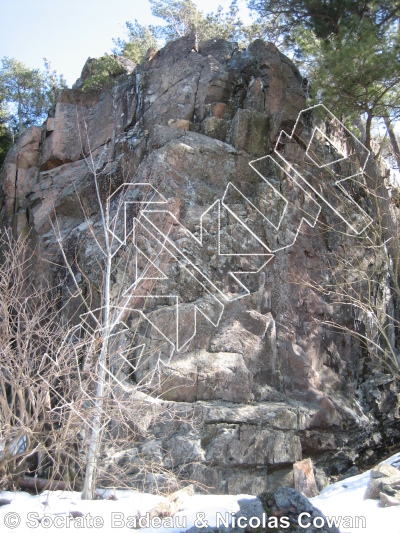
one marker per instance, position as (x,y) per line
(40,484)
(368,131)
(19,114)
(94,442)
(19,121)
(393,140)
(359,124)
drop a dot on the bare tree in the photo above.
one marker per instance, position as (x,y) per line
(37,436)
(112,371)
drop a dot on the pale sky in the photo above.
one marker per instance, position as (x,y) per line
(68,32)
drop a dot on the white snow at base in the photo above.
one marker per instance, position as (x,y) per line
(344,498)
(128,504)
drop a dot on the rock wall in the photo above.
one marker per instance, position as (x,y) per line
(270,384)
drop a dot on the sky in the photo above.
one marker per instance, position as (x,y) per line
(68,32)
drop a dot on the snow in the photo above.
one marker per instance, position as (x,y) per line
(345,498)
(61,503)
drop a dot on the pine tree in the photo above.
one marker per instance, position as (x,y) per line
(27,93)
(349,51)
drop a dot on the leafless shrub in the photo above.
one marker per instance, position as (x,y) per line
(37,435)
(122,413)
(361,279)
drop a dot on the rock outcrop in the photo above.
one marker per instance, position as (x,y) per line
(270,384)
(384,485)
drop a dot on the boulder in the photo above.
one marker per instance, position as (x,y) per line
(389,501)
(385,481)
(291,503)
(304,480)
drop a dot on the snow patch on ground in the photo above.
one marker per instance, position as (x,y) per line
(129,504)
(345,498)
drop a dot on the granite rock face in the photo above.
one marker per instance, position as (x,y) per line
(270,384)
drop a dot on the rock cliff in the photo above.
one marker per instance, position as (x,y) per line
(269,383)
